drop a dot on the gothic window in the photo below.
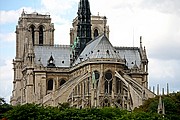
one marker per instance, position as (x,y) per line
(41,34)
(108,82)
(62,82)
(96,33)
(32,30)
(50,84)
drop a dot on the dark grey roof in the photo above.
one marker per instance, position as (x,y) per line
(98,48)
(131,54)
(60,54)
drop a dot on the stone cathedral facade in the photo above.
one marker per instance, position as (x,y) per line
(90,72)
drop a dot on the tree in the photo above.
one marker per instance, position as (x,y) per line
(171,103)
(4,107)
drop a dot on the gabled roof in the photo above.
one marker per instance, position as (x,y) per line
(131,55)
(61,55)
(98,48)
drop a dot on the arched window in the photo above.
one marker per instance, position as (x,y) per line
(32,30)
(108,82)
(62,82)
(96,33)
(41,35)
(50,84)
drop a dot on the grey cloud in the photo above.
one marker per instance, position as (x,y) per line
(166,6)
(166,51)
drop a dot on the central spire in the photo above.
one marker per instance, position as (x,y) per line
(84,24)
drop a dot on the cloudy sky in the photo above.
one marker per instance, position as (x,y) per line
(157,21)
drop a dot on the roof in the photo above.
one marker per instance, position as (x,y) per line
(131,55)
(100,47)
(60,54)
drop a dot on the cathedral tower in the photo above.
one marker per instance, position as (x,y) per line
(32,30)
(83,26)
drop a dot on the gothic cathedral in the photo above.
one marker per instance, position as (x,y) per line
(90,72)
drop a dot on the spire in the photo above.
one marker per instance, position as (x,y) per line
(162,91)
(157,89)
(160,105)
(141,42)
(104,24)
(167,89)
(161,108)
(84,25)
(23,13)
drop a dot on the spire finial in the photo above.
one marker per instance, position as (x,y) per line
(141,42)
(157,89)
(23,12)
(104,24)
(140,39)
(167,89)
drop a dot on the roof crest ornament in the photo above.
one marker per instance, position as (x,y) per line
(104,24)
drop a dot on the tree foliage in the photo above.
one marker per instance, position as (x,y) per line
(148,111)
(171,103)
(4,107)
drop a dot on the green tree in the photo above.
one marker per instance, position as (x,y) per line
(4,107)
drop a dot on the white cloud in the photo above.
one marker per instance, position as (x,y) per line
(6,78)
(12,15)
(58,6)
(8,16)
(7,37)
(163,72)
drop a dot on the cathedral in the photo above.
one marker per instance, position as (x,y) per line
(90,72)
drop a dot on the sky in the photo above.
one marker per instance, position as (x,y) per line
(157,21)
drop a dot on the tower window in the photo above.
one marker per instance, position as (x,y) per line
(96,33)
(41,35)
(32,30)
(50,84)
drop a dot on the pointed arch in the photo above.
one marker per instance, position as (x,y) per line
(41,35)
(96,33)
(50,84)
(32,30)
(108,82)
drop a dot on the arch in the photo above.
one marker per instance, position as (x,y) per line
(108,82)
(62,82)
(41,34)
(32,30)
(50,84)
(96,33)
(108,75)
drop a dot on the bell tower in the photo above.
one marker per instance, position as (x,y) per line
(32,30)
(33,27)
